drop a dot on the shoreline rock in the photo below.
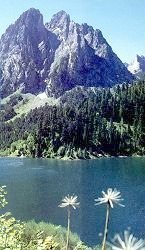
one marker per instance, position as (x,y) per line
(70,158)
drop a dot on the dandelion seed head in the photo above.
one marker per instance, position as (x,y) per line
(128,243)
(110,197)
(70,201)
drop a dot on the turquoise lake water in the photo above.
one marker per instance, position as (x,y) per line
(36,186)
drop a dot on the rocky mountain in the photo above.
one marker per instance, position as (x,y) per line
(56,57)
(137,67)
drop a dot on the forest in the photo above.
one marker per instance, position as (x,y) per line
(110,122)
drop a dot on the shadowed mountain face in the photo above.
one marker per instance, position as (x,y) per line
(56,57)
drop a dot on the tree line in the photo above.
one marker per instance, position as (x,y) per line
(111,121)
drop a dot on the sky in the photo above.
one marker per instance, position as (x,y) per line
(122,22)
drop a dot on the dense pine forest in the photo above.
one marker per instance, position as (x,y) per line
(109,122)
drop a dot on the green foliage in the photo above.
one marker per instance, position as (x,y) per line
(58,232)
(15,235)
(11,232)
(81,246)
(3,193)
(110,122)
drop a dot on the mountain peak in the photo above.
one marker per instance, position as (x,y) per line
(56,57)
(60,20)
(60,17)
(29,17)
(30,11)
(61,13)
(59,24)
(139,57)
(137,66)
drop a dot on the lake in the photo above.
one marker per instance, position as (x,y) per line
(36,186)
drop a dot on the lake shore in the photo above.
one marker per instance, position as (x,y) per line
(71,158)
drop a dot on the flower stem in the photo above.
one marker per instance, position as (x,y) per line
(68,228)
(106,227)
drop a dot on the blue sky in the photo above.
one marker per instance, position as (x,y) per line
(122,22)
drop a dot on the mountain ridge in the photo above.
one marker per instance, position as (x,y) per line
(56,56)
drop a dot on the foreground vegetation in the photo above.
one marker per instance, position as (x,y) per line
(109,122)
(15,235)
(59,235)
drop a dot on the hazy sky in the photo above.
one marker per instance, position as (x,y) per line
(122,22)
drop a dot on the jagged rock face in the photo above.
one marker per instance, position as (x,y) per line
(26,53)
(137,67)
(83,58)
(56,57)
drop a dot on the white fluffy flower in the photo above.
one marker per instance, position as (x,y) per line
(128,243)
(70,201)
(110,197)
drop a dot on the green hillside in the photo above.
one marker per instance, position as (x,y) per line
(110,122)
